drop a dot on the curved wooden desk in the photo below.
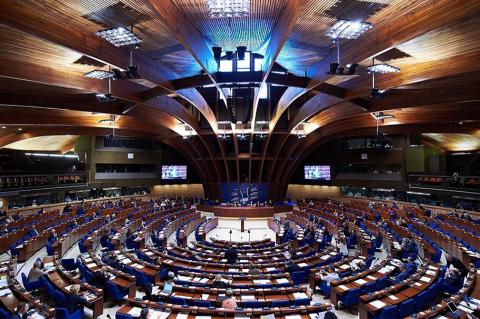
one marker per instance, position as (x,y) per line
(249,212)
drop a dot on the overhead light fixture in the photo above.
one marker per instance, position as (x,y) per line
(382,116)
(19,129)
(98,74)
(4,127)
(383,68)
(120,37)
(104,97)
(228,8)
(108,121)
(337,69)
(52,155)
(345,29)
(229,55)
(217,52)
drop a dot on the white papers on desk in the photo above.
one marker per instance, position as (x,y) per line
(430,272)
(248,298)
(325,257)
(432,267)
(168,261)
(378,304)
(205,296)
(203,280)
(36,315)
(383,270)
(243,261)
(270,316)
(261,281)
(139,266)
(48,264)
(184,278)
(182,315)
(303,264)
(343,287)
(241,317)
(270,269)
(196,279)
(203,317)
(87,260)
(233,270)
(245,270)
(282,280)
(249,254)
(360,281)
(3,282)
(426,279)
(344,266)
(155,290)
(293,317)
(4,292)
(155,314)
(126,261)
(300,295)
(149,253)
(464,309)
(91,265)
(417,284)
(135,312)
(223,260)
(371,277)
(393,297)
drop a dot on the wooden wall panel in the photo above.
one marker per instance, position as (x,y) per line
(299,191)
(187,190)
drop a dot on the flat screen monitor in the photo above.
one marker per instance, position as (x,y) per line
(174,172)
(317,172)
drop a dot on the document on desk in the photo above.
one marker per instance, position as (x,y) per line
(135,312)
(182,315)
(241,317)
(184,278)
(345,266)
(432,267)
(205,296)
(87,260)
(303,264)
(343,287)
(261,281)
(371,277)
(270,269)
(300,295)
(426,279)
(383,270)
(293,317)
(35,315)
(248,298)
(325,257)
(149,253)
(360,281)
(204,280)
(126,261)
(378,304)
(270,316)
(155,314)
(282,280)
(203,317)
(5,292)
(91,265)
(139,266)
(430,272)
(393,297)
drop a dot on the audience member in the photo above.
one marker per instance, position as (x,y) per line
(230,303)
(35,273)
(231,254)
(76,301)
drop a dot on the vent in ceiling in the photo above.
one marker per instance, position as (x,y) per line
(354,10)
(117,15)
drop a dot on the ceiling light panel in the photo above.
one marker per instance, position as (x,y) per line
(228,8)
(119,37)
(345,29)
(383,68)
(98,74)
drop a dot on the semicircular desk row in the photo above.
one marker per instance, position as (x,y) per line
(129,240)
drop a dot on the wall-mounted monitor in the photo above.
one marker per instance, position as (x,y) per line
(317,172)
(174,172)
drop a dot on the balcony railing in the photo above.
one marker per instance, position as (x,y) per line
(462,183)
(37,181)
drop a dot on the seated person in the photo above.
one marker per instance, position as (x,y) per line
(75,301)
(456,263)
(411,265)
(144,313)
(100,278)
(22,311)
(403,275)
(53,236)
(358,265)
(252,270)
(219,282)
(291,267)
(329,275)
(230,303)
(453,278)
(35,273)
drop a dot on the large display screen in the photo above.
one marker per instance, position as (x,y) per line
(317,172)
(174,172)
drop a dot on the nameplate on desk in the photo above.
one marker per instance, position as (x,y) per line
(261,281)
(282,280)
(325,257)
(360,281)
(393,297)
(300,295)
(371,277)
(426,279)
(248,298)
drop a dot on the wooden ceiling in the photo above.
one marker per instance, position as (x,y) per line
(48,45)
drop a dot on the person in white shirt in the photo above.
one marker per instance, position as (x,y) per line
(329,276)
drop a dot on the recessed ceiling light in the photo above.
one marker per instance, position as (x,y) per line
(383,68)
(4,127)
(19,129)
(345,29)
(119,37)
(98,74)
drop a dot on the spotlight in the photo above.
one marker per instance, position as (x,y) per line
(217,53)
(229,55)
(333,67)
(118,75)
(340,70)
(132,72)
(241,52)
(352,68)
(383,68)
(105,97)
(345,29)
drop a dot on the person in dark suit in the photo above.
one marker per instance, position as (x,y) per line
(100,278)
(231,254)
(22,311)
(457,264)
(218,282)
(75,300)
(292,267)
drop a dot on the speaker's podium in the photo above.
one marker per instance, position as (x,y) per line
(242,224)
